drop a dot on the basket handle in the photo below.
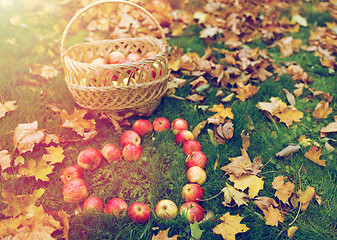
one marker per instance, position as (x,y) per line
(81,11)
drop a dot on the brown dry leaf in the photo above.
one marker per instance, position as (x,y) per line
(230,226)
(288,151)
(163,235)
(288,45)
(5,159)
(200,81)
(246,91)
(232,194)
(238,165)
(26,135)
(273,216)
(76,121)
(299,89)
(322,110)
(38,169)
(55,155)
(331,127)
(291,232)
(223,132)
(264,202)
(7,107)
(252,182)
(245,140)
(306,196)
(197,130)
(195,97)
(283,190)
(314,155)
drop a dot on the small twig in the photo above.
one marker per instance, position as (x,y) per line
(266,163)
(176,97)
(298,212)
(211,197)
(267,172)
(299,176)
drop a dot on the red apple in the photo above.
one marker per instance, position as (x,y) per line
(150,54)
(166,209)
(133,57)
(190,146)
(111,152)
(179,124)
(93,202)
(130,136)
(99,61)
(183,136)
(161,124)
(75,190)
(139,212)
(116,57)
(89,159)
(196,174)
(142,127)
(196,158)
(192,192)
(192,211)
(116,207)
(72,171)
(132,152)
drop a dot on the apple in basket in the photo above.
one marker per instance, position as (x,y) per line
(150,54)
(134,56)
(99,61)
(116,57)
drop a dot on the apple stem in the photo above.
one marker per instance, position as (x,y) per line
(207,199)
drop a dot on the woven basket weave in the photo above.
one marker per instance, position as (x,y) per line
(111,88)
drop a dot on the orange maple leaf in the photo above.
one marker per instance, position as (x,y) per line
(314,155)
(221,112)
(283,190)
(322,110)
(246,91)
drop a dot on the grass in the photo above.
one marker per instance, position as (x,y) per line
(161,171)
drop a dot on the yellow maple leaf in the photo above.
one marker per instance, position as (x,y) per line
(230,226)
(290,115)
(306,196)
(314,155)
(37,169)
(55,155)
(7,107)
(221,112)
(272,216)
(322,110)
(246,91)
(252,182)
(238,165)
(283,190)
(230,193)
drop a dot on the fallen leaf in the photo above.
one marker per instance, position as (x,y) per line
(288,151)
(26,135)
(322,110)
(230,226)
(221,112)
(314,155)
(38,169)
(5,159)
(291,232)
(283,190)
(197,129)
(55,155)
(196,232)
(252,182)
(7,107)
(273,216)
(195,97)
(246,91)
(245,140)
(163,235)
(304,141)
(296,18)
(76,121)
(305,197)
(238,165)
(290,97)
(264,202)
(232,194)
(331,127)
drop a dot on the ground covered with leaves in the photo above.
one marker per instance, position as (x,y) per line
(255,81)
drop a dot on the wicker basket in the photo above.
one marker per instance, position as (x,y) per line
(113,88)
